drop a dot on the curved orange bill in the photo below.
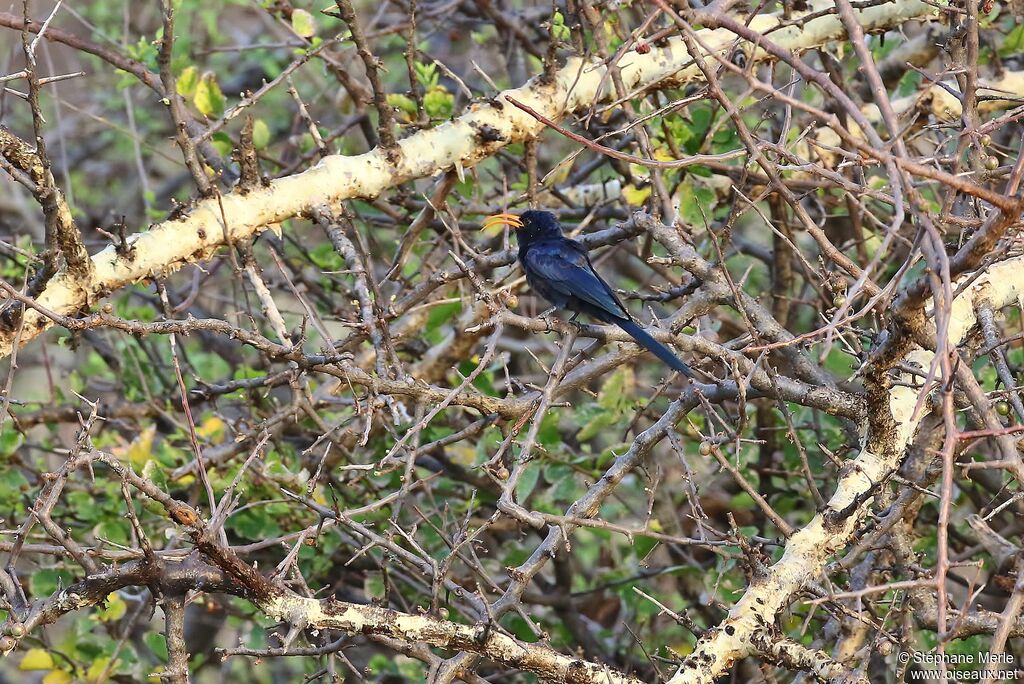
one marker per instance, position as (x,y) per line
(502,220)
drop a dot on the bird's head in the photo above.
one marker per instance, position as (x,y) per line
(529,226)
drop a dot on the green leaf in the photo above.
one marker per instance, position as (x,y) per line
(12,484)
(700,118)
(85,505)
(157,644)
(255,524)
(426,74)
(565,484)
(548,434)
(1014,41)
(114,530)
(208,98)
(741,502)
(617,388)
(222,143)
(696,204)
(441,314)
(10,440)
(597,425)
(381,664)
(725,140)
(44,582)
(410,670)
(909,83)
(326,258)
(642,546)
(373,586)
(439,103)
(558,27)
(519,627)
(144,51)
(188,81)
(605,458)
(260,134)
(303,23)
(527,483)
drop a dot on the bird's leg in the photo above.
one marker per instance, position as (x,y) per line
(547,321)
(574,323)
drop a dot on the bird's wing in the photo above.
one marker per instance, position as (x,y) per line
(566,267)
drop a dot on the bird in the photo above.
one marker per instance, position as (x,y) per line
(559,270)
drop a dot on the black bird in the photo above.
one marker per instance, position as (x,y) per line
(559,270)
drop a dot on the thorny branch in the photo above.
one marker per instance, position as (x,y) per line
(358,427)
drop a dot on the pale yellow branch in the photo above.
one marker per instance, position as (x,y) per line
(477,134)
(490,642)
(808,550)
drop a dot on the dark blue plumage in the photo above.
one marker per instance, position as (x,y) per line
(559,270)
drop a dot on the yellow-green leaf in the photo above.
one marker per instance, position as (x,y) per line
(303,23)
(97,672)
(402,103)
(57,677)
(464,456)
(663,154)
(213,427)
(559,28)
(140,450)
(187,82)
(209,99)
(260,134)
(115,610)
(439,103)
(36,659)
(636,196)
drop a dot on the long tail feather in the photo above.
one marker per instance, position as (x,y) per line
(653,346)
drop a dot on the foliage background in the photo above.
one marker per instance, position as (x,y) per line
(686,530)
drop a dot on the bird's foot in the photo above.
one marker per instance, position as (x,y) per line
(546,317)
